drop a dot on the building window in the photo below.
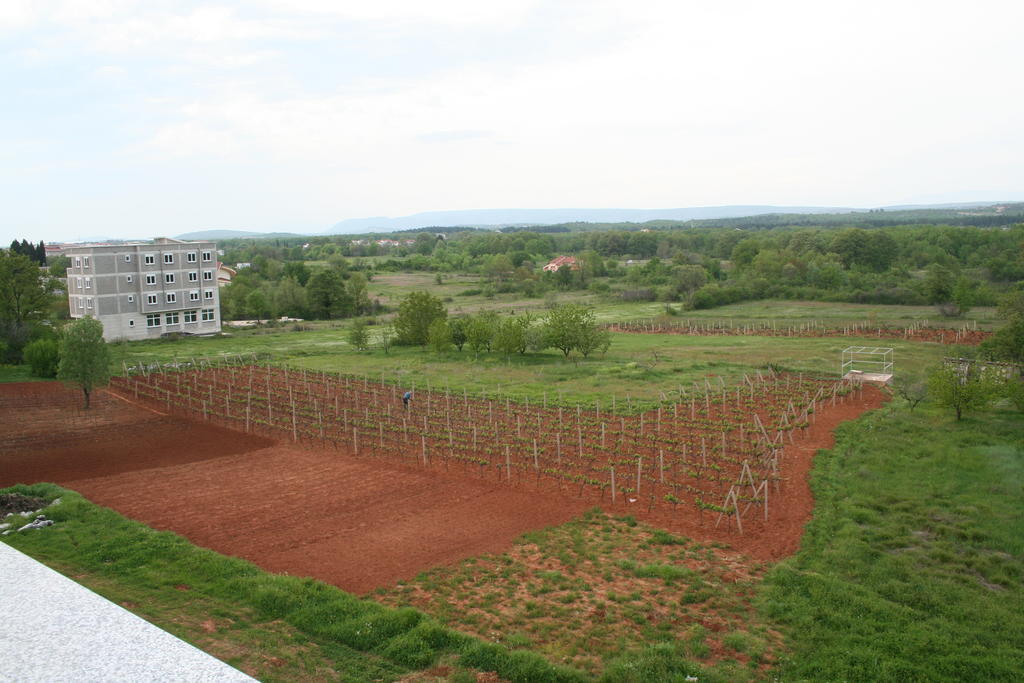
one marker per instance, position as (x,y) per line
(208,295)
(207,314)
(151,298)
(193,276)
(168,258)
(171,297)
(78,262)
(128,259)
(190,257)
(153,320)
(169,278)
(81,303)
(193,295)
(85,261)
(207,256)
(89,302)
(131,323)
(207,275)
(150,259)
(190,316)
(88,283)
(78,283)
(131,298)
(171,318)
(130,279)
(151,279)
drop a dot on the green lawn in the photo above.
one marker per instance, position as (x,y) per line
(913,566)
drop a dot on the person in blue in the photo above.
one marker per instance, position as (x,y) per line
(405,399)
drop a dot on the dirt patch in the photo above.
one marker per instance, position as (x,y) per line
(13,503)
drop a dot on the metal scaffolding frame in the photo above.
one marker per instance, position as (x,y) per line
(867,363)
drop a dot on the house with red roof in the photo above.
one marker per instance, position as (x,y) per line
(557,263)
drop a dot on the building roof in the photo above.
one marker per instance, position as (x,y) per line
(560,261)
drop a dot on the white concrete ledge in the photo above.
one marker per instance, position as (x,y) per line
(52,629)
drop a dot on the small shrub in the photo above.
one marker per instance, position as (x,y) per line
(43,356)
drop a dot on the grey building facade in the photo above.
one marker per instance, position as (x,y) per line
(144,290)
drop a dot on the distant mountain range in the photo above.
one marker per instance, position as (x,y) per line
(499,218)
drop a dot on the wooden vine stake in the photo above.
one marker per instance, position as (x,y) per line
(731,496)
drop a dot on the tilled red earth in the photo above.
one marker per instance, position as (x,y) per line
(356,522)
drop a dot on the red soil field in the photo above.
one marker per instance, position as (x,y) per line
(358,522)
(939,335)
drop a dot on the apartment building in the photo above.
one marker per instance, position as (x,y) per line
(144,290)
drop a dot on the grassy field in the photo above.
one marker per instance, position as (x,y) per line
(913,566)
(641,366)
(595,592)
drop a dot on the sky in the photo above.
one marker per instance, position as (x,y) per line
(134,119)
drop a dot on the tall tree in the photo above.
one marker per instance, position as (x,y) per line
(415,313)
(327,295)
(84,356)
(24,291)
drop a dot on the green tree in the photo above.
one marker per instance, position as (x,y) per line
(439,336)
(25,295)
(963,294)
(43,356)
(327,295)
(356,288)
(415,313)
(458,327)
(358,335)
(480,332)
(256,305)
(1007,343)
(938,284)
(59,266)
(297,270)
(593,337)
(510,335)
(387,337)
(499,267)
(572,327)
(24,291)
(84,356)
(290,298)
(962,388)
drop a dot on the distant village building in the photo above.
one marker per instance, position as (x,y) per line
(143,290)
(225,274)
(557,263)
(243,264)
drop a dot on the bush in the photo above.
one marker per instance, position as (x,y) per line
(43,355)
